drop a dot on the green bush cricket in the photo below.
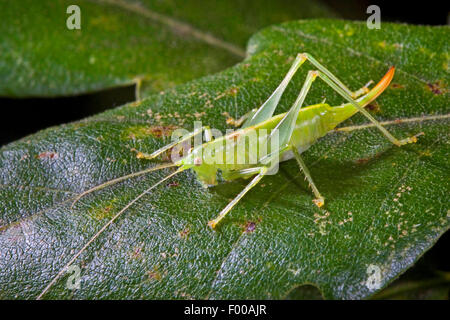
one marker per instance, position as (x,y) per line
(294,131)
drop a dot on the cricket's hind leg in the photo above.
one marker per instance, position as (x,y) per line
(319,200)
(340,88)
(353,94)
(268,107)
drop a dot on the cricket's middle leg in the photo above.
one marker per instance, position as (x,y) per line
(319,201)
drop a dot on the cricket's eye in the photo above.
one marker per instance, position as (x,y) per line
(197,161)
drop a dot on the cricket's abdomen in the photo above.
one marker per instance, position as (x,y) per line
(313,123)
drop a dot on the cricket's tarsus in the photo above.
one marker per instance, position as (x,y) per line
(298,129)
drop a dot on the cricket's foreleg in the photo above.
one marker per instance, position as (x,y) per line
(319,201)
(147,156)
(223,213)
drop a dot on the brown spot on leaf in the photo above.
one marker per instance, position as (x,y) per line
(374,107)
(136,253)
(141,132)
(161,131)
(233,91)
(47,155)
(184,233)
(102,213)
(173,184)
(250,226)
(154,274)
(198,115)
(362,160)
(436,88)
(397,86)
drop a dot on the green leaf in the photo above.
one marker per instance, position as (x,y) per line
(157,44)
(385,205)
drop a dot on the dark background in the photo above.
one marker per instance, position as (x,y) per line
(21,117)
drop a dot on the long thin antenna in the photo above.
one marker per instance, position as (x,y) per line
(61,272)
(114,181)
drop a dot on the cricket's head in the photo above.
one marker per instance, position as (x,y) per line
(193,158)
(345,111)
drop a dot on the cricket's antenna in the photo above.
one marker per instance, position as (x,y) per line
(114,181)
(61,272)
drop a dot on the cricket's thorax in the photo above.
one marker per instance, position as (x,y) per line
(235,151)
